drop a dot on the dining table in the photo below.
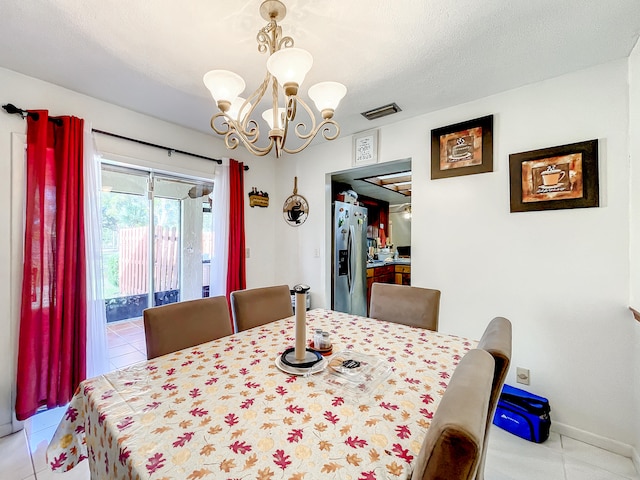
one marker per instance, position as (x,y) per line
(229,409)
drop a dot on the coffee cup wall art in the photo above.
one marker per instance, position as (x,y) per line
(464,148)
(555,178)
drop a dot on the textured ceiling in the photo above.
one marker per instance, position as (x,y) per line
(424,55)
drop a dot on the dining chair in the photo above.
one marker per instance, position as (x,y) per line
(172,327)
(453,445)
(496,340)
(413,306)
(258,306)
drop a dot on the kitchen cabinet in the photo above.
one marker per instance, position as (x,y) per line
(377,218)
(398,274)
(402,274)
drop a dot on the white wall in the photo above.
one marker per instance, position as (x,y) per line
(26,92)
(634,154)
(562,277)
(400,229)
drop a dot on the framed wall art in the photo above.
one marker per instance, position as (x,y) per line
(462,149)
(554,178)
(365,148)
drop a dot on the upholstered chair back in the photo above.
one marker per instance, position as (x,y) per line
(453,445)
(497,341)
(258,306)
(172,327)
(413,306)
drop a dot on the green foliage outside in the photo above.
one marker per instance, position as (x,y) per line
(122,210)
(110,267)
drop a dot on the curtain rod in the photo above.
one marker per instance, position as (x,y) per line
(12,109)
(168,149)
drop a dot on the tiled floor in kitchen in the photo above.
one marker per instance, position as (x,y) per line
(22,455)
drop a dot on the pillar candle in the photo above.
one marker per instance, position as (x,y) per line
(301,326)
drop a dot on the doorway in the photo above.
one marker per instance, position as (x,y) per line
(157,242)
(385,191)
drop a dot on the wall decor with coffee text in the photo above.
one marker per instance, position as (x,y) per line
(463,148)
(554,178)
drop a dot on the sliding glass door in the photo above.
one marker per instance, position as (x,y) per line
(156,240)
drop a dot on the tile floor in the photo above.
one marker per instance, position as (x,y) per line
(125,341)
(22,455)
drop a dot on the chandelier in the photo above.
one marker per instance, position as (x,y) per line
(286,68)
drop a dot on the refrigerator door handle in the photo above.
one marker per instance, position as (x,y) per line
(351,247)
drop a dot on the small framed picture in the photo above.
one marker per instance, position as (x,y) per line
(365,148)
(463,148)
(554,178)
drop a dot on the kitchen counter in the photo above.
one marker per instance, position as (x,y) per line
(382,263)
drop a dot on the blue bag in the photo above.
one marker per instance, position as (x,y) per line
(524,414)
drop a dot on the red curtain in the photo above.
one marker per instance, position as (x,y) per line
(52,341)
(236,266)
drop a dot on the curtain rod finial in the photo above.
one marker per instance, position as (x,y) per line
(11,108)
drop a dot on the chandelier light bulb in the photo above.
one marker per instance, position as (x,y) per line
(327,96)
(224,86)
(267,115)
(234,109)
(290,66)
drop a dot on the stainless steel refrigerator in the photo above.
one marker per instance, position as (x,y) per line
(349,259)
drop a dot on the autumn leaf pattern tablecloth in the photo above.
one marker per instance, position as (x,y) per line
(224,410)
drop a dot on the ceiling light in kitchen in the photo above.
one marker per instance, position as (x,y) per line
(399,182)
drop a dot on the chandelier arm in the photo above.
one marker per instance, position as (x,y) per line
(230,139)
(285,42)
(292,108)
(277,121)
(289,116)
(325,126)
(215,128)
(325,131)
(233,136)
(250,132)
(302,127)
(250,145)
(266,37)
(254,99)
(259,151)
(232,129)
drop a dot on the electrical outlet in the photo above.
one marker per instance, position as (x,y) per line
(247,252)
(522,375)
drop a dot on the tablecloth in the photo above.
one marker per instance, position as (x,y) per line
(224,410)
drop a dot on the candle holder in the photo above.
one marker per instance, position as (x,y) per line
(310,358)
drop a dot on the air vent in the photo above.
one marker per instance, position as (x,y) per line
(381,111)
